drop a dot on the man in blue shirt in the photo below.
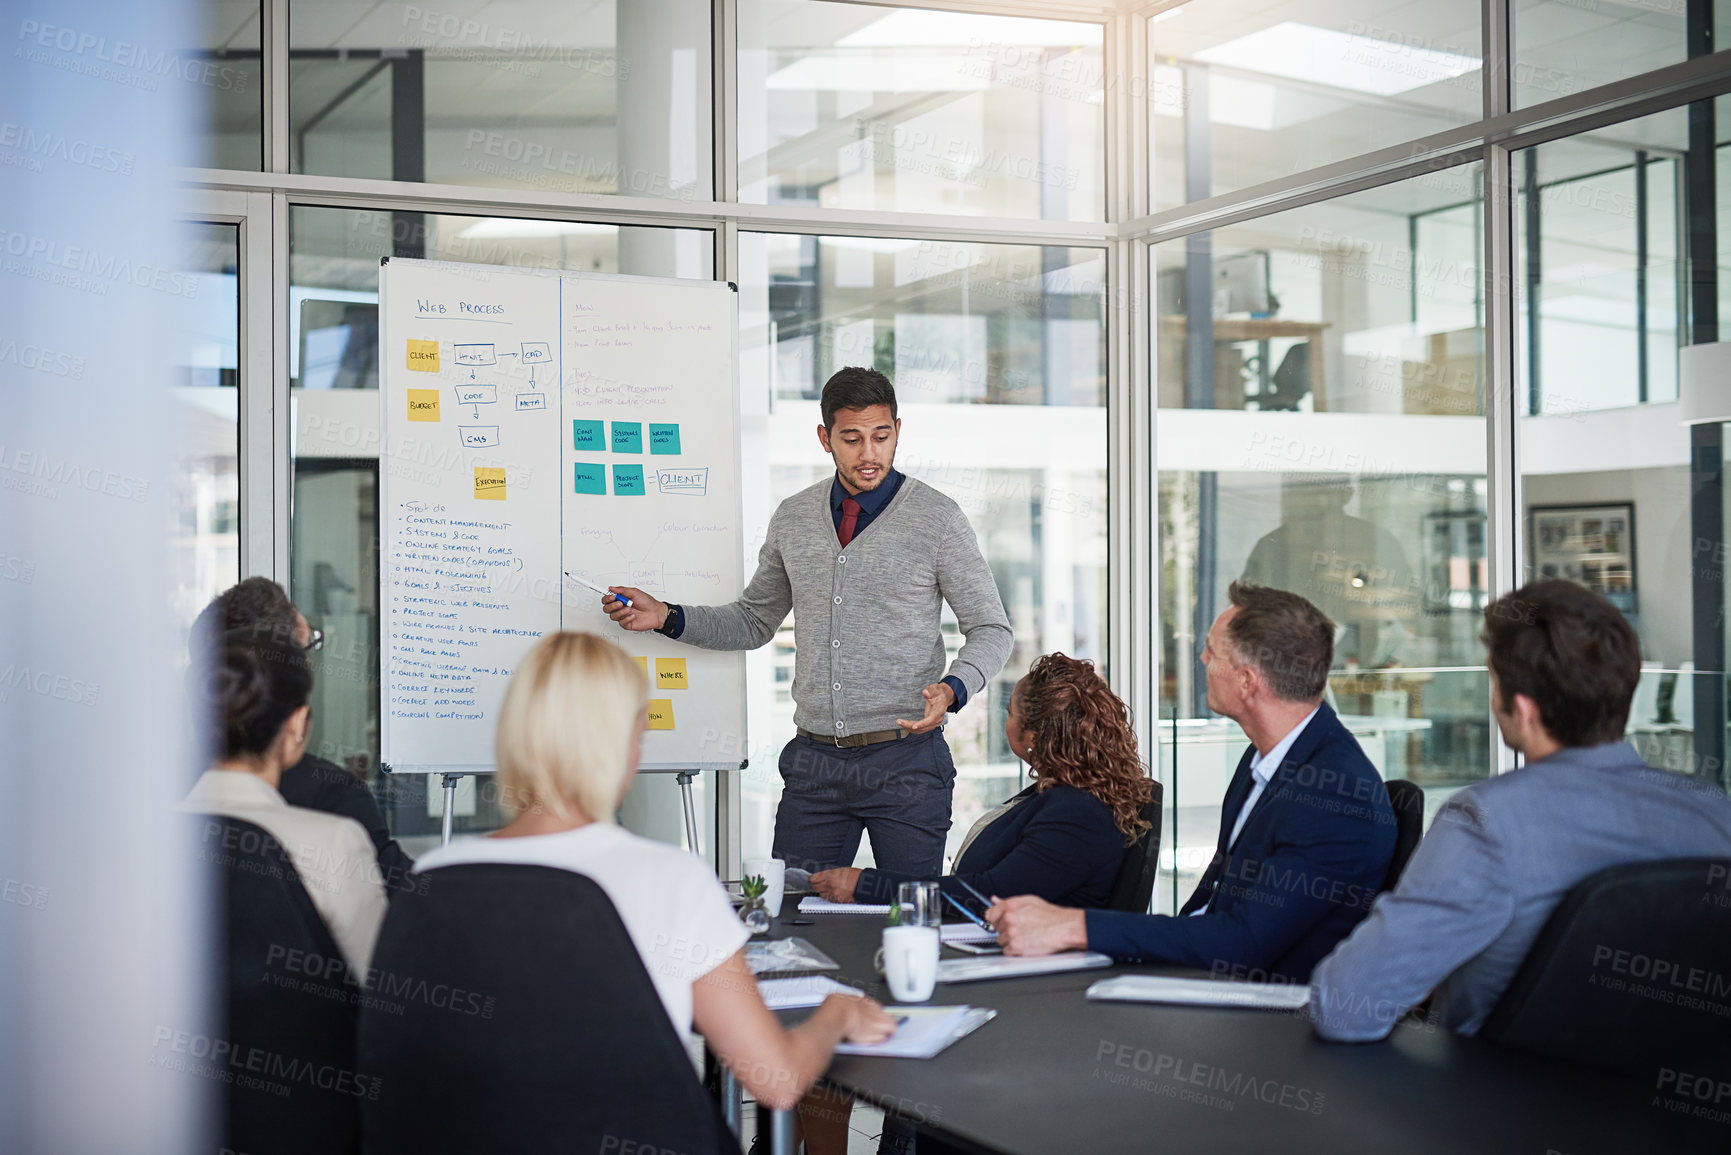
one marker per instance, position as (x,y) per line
(1502,853)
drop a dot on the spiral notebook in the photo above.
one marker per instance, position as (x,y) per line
(812,904)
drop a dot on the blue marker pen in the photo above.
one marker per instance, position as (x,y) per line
(970,915)
(587,584)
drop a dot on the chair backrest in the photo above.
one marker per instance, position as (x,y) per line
(509,1011)
(1644,706)
(1407,798)
(1133,889)
(1683,695)
(291,1006)
(1629,973)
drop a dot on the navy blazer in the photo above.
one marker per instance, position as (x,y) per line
(1060,843)
(1303,873)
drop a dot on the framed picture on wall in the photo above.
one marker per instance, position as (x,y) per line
(1590,544)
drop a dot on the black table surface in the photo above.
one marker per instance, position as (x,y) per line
(1054,1072)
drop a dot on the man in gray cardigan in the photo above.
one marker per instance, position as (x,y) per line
(865,560)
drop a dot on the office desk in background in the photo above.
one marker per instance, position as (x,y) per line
(1057,1073)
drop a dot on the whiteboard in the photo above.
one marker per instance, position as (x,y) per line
(536,423)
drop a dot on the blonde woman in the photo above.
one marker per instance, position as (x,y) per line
(569,739)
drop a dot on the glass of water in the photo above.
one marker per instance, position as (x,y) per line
(920,904)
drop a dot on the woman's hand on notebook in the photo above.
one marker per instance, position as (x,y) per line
(836,885)
(865,1019)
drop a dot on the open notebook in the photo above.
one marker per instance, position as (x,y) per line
(924,1031)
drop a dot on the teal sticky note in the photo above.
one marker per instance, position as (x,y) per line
(589,435)
(664,439)
(628,437)
(590,477)
(628,481)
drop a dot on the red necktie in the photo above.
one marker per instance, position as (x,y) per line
(849,518)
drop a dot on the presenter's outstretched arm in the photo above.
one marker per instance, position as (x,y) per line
(775,1064)
(644,612)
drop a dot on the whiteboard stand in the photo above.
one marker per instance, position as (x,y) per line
(685,778)
(451,781)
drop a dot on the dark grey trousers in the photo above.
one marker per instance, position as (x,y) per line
(898,791)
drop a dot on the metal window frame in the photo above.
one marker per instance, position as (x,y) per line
(257,449)
(262,200)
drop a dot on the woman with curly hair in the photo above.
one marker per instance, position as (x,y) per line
(1064,837)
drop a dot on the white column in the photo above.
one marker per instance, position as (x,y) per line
(103,967)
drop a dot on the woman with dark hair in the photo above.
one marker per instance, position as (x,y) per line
(255,696)
(1064,837)
(257,610)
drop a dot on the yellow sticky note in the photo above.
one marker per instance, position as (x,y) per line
(424,356)
(643,664)
(423,405)
(490,483)
(660,714)
(670,673)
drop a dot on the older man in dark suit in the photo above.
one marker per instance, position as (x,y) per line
(1306,830)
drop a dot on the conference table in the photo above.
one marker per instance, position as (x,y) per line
(1055,1072)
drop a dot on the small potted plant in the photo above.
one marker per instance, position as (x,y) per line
(754,914)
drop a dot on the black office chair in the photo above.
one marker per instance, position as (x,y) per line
(1407,798)
(549,1036)
(290,1000)
(1133,888)
(1589,989)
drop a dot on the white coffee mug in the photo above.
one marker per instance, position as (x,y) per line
(909,960)
(774,873)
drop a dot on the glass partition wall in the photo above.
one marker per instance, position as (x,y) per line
(1320,381)
(1620,251)
(1173,294)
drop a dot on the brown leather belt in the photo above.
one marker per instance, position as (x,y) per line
(870,738)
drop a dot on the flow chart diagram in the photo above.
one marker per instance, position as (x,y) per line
(423,356)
